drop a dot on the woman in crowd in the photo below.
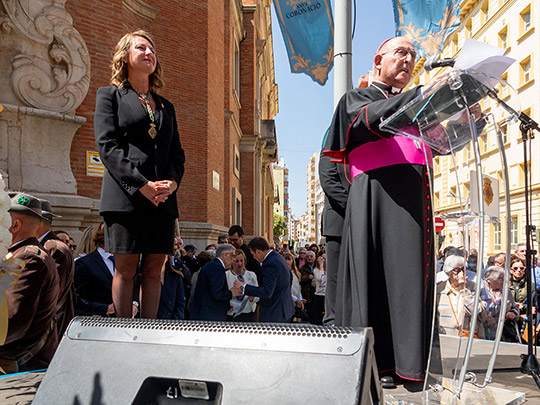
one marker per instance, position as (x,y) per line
(296,290)
(455,301)
(319,277)
(138,142)
(518,287)
(492,298)
(242,307)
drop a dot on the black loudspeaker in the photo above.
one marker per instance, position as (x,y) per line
(143,361)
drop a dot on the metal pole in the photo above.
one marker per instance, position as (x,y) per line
(467,243)
(342,49)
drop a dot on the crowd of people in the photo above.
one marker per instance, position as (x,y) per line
(456,284)
(228,281)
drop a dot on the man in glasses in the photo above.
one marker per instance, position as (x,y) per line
(521,251)
(385,277)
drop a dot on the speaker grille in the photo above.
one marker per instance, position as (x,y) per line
(220,327)
(257,336)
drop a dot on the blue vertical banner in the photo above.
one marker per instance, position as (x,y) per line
(308,31)
(427,23)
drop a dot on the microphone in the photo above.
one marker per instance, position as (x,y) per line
(432,64)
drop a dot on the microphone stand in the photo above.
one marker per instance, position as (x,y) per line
(529,364)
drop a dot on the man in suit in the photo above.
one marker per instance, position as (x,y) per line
(30,342)
(276,303)
(93,280)
(63,258)
(336,189)
(210,299)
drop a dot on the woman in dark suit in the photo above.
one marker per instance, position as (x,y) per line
(138,142)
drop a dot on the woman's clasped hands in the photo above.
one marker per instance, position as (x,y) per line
(158,191)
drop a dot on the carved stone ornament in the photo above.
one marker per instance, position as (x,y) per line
(50,65)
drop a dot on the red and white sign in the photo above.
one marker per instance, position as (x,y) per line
(439,224)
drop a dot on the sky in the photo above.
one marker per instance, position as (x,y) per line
(306,108)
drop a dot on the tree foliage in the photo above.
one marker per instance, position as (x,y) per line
(280,225)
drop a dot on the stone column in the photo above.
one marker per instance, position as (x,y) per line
(44,77)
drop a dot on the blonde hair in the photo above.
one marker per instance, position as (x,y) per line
(86,244)
(119,75)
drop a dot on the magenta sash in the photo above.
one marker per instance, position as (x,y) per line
(387,152)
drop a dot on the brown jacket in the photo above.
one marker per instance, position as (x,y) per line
(31,305)
(65,266)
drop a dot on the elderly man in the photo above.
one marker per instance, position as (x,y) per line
(31,340)
(385,270)
(211,296)
(455,301)
(521,253)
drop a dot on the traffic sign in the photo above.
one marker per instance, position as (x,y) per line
(439,224)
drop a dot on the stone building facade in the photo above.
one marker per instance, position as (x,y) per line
(217,59)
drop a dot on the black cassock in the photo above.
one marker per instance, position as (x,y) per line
(385,278)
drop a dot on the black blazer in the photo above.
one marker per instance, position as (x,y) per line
(210,299)
(276,302)
(130,155)
(172,301)
(336,189)
(93,282)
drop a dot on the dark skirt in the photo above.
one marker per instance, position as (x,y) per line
(133,232)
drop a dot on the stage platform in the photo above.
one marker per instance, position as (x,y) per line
(21,388)
(508,357)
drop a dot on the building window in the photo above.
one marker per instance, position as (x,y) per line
(466,190)
(485,12)
(525,20)
(455,43)
(525,71)
(468,28)
(236,207)
(497,236)
(236,68)
(453,193)
(467,152)
(437,199)
(236,161)
(521,175)
(503,38)
(484,143)
(514,230)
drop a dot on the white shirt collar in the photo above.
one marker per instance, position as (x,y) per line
(394,90)
(104,254)
(43,236)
